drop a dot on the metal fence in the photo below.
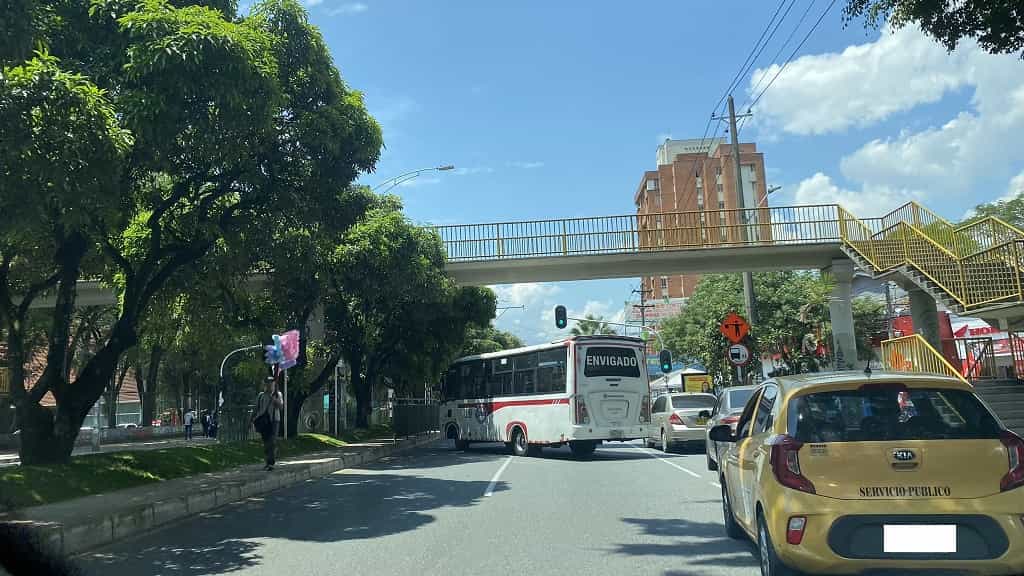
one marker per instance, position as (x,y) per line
(414,416)
(234,424)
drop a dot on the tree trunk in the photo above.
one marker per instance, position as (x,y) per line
(146,385)
(361,389)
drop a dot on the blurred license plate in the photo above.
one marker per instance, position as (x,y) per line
(919,539)
(615,433)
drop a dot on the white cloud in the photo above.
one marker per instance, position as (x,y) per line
(473,170)
(525,294)
(350,8)
(1015,189)
(867,202)
(861,85)
(526,165)
(868,83)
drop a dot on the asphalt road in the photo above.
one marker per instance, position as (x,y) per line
(437,511)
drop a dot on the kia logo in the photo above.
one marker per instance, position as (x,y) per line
(903,455)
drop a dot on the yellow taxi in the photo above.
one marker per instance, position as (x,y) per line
(896,473)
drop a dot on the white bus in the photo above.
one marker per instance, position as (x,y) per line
(581,391)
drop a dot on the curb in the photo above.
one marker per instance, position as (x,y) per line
(118,525)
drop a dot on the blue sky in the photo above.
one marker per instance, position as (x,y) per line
(555,109)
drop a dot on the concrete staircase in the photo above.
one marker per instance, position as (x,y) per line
(1006,398)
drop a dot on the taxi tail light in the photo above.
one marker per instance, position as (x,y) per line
(582,416)
(674,419)
(731,421)
(1015,450)
(795,529)
(785,458)
(645,410)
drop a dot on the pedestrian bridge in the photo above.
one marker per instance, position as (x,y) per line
(972,267)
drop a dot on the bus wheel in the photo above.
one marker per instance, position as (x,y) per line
(582,448)
(519,444)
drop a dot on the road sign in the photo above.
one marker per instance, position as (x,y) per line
(738,355)
(734,328)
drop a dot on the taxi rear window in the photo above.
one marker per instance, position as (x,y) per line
(889,413)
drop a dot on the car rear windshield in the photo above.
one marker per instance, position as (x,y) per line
(683,401)
(611,361)
(738,399)
(889,413)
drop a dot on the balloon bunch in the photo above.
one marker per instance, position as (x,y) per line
(274,352)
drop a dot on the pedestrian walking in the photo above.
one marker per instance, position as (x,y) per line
(267,418)
(205,419)
(189,418)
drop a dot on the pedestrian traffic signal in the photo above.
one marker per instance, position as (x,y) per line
(665,359)
(560,319)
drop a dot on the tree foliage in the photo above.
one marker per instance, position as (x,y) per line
(869,320)
(790,305)
(481,340)
(998,25)
(590,325)
(146,136)
(1009,210)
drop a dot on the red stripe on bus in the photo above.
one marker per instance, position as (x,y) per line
(495,406)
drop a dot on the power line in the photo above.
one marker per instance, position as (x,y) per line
(765,44)
(753,48)
(793,53)
(792,33)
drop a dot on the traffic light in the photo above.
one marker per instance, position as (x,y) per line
(560,319)
(665,359)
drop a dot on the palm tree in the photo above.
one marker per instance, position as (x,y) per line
(592,325)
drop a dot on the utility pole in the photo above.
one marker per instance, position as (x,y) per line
(748,280)
(643,306)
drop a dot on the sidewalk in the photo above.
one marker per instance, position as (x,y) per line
(75,526)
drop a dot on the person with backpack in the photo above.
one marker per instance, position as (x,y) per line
(267,418)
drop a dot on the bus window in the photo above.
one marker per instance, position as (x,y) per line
(525,373)
(551,371)
(451,387)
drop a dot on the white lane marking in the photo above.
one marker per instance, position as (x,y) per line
(666,461)
(716,484)
(494,480)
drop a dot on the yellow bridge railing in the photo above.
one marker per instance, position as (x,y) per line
(914,354)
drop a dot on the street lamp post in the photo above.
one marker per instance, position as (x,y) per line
(402,178)
(764,200)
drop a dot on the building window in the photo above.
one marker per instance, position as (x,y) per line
(718,170)
(700,201)
(657,200)
(652,184)
(721,204)
(720,190)
(664,283)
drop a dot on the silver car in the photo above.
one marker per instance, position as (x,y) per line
(726,411)
(680,419)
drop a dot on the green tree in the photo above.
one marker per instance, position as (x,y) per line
(1010,210)
(790,306)
(392,311)
(869,320)
(591,325)
(998,25)
(481,340)
(234,122)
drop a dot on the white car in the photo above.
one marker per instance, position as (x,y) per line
(677,419)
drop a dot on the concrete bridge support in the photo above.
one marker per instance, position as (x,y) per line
(925,315)
(840,309)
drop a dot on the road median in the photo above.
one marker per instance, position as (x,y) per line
(80,524)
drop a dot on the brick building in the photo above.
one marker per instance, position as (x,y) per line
(691,200)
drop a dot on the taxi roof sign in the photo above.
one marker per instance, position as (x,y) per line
(734,328)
